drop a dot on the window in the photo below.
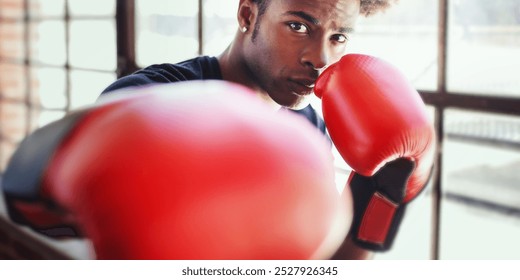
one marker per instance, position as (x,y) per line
(405,35)
(219,25)
(166,31)
(55,56)
(484,47)
(480,210)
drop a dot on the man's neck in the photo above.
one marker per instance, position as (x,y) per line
(234,69)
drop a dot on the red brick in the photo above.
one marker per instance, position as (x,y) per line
(14,120)
(12,8)
(12,81)
(12,43)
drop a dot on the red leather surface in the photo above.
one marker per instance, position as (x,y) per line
(374,115)
(199,170)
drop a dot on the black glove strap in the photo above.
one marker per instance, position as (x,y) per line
(378,207)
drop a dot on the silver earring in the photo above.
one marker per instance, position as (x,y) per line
(243,29)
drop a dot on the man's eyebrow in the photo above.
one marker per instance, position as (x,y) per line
(305,16)
(315,21)
(347,30)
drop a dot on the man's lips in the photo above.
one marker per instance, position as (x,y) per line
(303,86)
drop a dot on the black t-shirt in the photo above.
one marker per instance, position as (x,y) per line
(199,68)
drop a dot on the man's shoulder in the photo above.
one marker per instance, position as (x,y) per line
(202,67)
(198,68)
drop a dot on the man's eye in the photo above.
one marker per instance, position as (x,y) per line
(340,38)
(298,27)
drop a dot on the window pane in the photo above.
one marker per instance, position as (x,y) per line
(48,45)
(92,8)
(51,87)
(166,31)
(93,44)
(220,25)
(405,35)
(46,8)
(86,86)
(46,117)
(481,198)
(12,37)
(484,47)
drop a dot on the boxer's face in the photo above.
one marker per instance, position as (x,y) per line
(293,41)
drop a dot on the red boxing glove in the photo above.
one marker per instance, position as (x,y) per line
(379,124)
(192,170)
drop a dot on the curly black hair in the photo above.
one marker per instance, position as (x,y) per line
(370,7)
(367,8)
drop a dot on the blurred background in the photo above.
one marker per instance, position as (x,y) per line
(462,56)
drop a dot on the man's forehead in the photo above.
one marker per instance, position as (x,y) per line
(343,12)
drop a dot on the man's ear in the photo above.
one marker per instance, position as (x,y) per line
(247,13)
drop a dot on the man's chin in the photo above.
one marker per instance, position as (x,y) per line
(298,103)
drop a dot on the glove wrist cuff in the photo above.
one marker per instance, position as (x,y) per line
(376,217)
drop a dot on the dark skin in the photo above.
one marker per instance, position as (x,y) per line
(295,41)
(281,53)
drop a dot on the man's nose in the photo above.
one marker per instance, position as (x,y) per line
(316,56)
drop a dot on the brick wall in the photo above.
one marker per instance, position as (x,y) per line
(18,89)
(16,119)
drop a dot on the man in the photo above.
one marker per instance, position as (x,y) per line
(280,49)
